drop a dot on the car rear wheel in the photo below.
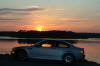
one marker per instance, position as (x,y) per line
(21,55)
(68,59)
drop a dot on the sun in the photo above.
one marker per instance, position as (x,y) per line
(40,28)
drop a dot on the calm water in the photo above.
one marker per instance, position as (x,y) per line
(92,46)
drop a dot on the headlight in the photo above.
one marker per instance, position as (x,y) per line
(12,52)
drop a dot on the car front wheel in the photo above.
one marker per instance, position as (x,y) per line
(21,55)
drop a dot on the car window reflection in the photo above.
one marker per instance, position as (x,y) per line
(46,45)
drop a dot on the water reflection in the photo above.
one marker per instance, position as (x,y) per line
(32,41)
(6,45)
(27,41)
(92,51)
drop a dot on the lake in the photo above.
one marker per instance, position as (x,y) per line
(92,46)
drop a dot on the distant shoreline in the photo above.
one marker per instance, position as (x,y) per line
(49,34)
(7,37)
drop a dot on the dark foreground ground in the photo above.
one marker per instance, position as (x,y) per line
(7,60)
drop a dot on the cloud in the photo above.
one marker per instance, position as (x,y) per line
(74,19)
(25,11)
(4,13)
(32,6)
(55,9)
(28,9)
(11,14)
(9,19)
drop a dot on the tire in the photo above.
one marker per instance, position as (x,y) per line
(68,59)
(21,55)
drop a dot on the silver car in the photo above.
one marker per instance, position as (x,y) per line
(51,50)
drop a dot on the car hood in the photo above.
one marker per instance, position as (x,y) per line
(20,47)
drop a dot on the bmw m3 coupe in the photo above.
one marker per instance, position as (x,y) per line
(50,50)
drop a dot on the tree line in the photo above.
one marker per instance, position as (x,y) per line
(49,34)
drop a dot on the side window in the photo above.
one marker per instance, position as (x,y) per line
(61,45)
(46,45)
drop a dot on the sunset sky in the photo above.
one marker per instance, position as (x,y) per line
(69,15)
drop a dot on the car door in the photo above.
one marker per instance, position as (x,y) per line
(45,51)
